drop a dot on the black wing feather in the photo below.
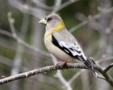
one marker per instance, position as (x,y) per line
(68,49)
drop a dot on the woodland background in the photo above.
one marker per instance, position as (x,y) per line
(22,48)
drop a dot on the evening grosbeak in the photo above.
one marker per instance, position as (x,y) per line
(61,43)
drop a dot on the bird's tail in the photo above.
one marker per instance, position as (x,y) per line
(90,64)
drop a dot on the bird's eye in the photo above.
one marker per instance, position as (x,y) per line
(49,19)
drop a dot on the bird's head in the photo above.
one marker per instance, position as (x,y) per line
(53,21)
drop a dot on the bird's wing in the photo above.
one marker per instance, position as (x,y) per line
(74,50)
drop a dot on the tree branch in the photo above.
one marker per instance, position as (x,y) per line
(108,68)
(107,77)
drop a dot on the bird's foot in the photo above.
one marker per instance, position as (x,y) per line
(62,64)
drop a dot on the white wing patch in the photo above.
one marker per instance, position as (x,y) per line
(74,49)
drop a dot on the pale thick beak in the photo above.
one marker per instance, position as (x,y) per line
(43,21)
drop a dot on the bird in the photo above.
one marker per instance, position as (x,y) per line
(61,43)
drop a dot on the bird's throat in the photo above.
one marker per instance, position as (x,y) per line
(59,27)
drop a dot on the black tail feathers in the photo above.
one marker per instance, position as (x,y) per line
(90,64)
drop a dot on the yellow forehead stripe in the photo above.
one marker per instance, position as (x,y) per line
(59,27)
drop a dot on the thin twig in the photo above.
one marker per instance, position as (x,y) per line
(108,68)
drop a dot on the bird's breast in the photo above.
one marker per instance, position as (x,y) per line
(55,50)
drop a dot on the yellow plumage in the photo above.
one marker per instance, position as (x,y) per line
(59,27)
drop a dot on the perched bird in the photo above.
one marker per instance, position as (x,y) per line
(61,43)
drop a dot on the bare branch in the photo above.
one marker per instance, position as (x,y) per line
(38,71)
(108,68)
(107,77)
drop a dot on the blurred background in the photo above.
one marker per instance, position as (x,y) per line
(22,48)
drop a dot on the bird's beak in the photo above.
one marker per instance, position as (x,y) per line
(43,21)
